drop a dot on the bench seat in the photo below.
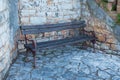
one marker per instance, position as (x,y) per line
(54,43)
(78,29)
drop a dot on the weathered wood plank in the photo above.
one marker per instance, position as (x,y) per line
(52,25)
(36,31)
(61,44)
(65,41)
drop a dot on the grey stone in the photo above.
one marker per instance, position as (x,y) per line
(0,18)
(117,31)
(86,70)
(103,75)
(89,66)
(116,78)
(59,70)
(77,58)
(105,65)
(104,46)
(92,4)
(83,78)
(46,69)
(93,69)
(111,72)
(56,11)
(69,75)
(81,74)
(93,76)
(1,44)
(47,74)
(45,78)
(25,76)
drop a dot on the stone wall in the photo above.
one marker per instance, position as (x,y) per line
(51,11)
(14,26)
(32,12)
(118,6)
(7,47)
(103,26)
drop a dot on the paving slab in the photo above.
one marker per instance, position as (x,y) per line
(67,63)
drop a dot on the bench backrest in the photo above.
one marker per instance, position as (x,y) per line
(35,29)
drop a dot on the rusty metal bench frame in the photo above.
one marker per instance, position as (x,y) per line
(36,29)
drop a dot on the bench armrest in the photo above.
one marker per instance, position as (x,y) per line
(90,33)
(33,42)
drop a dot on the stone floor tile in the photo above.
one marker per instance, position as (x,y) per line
(66,63)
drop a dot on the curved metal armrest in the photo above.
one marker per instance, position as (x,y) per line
(33,42)
(92,33)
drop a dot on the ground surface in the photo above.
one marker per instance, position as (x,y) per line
(67,63)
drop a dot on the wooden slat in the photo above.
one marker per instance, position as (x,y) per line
(36,31)
(60,44)
(65,41)
(52,25)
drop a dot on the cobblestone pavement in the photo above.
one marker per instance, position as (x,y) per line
(67,63)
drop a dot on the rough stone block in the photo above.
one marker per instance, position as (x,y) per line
(4,38)
(3,5)
(4,27)
(68,6)
(118,9)
(59,11)
(28,12)
(37,20)
(41,14)
(7,27)
(4,16)
(25,20)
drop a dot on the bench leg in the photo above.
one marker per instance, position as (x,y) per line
(34,57)
(93,43)
(26,55)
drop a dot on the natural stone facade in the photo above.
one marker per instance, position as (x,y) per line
(47,12)
(57,11)
(35,12)
(103,26)
(4,38)
(112,7)
(7,39)
(118,6)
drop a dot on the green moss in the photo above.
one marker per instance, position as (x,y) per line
(118,18)
(113,7)
(106,1)
(104,4)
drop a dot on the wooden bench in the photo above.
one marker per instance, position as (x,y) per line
(36,29)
